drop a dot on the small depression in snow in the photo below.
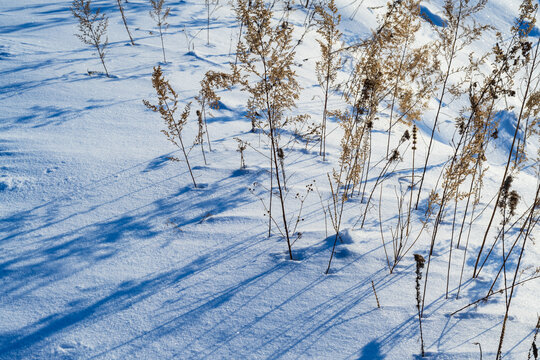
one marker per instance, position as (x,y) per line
(507,121)
(8,183)
(507,127)
(535,32)
(430,17)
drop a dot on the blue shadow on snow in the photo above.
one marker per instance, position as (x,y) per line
(432,18)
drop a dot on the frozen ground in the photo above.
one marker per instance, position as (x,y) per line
(108,252)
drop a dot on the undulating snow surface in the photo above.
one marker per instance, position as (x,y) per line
(107,251)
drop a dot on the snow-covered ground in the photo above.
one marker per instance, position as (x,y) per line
(107,251)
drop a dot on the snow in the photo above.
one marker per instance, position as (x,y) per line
(108,252)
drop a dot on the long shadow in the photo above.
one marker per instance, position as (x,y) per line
(27,66)
(124,296)
(33,25)
(28,7)
(39,116)
(313,323)
(196,310)
(101,240)
(20,87)
(192,313)
(14,225)
(87,245)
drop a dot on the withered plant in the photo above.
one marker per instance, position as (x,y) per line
(242,146)
(414,143)
(527,230)
(508,57)
(211,6)
(534,349)
(296,218)
(375,293)
(507,206)
(265,71)
(520,54)
(199,139)
(92,28)
(166,107)
(208,98)
(373,81)
(346,176)
(419,259)
(523,220)
(531,128)
(393,159)
(409,85)
(455,36)
(365,90)
(281,158)
(121,8)
(327,21)
(498,202)
(475,127)
(402,242)
(159,15)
